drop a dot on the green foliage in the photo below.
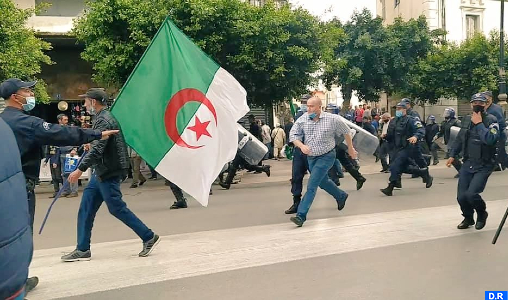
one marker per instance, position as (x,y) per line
(22,52)
(270,51)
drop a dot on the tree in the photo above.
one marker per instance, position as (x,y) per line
(270,51)
(22,52)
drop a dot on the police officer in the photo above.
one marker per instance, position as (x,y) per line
(404,133)
(423,145)
(32,133)
(431,129)
(477,139)
(299,166)
(449,121)
(497,111)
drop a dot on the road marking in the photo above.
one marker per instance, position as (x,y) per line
(115,265)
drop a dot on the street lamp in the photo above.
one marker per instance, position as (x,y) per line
(502,82)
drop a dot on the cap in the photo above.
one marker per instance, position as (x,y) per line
(96,93)
(406,101)
(401,104)
(305,97)
(479,97)
(12,85)
(487,94)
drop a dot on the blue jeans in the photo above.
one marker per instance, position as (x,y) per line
(318,167)
(106,191)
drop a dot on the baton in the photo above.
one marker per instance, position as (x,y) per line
(498,232)
(64,186)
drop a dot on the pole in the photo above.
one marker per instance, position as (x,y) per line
(502,80)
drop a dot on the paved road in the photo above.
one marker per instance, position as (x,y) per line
(243,246)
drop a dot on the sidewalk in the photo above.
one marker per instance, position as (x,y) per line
(280,173)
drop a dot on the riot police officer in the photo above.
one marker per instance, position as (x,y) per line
(449,121)
(497,111)
(32,133)
(404,133)
(431,129)
(477,139)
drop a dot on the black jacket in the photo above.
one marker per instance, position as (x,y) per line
(32,133)
(109,158)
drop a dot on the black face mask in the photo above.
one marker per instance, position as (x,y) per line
(478,108)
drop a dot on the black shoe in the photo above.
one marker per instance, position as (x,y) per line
(481,221)
(415,176)
(456,176)
(142,182)
(466,223)
(383,171)
(133,186)
(179,204)
(54,195)
(428,182)
(31,283)
(435,162)
(292,210)
(337,182)
(342,203)
(388,191)
(359,183)
(225,185)
(297,220)
(266,169)
(148,246)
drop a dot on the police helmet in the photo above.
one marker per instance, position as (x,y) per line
(449,112)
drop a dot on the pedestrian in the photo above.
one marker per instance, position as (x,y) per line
(15,237)
(384,146)
(279,140)
(319,129)
(137,177)
(288,126)
(53,157)
(477,139)
(32,133)
(266,136)
(367,125)
(66,153)
(109,160)
(181,201)
(404,133)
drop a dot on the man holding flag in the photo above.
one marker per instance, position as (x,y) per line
(193,106)
(110,163)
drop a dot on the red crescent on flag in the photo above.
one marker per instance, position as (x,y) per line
(175,104)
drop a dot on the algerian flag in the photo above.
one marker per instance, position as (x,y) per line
(179,109)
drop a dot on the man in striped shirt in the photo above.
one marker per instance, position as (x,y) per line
(319,130)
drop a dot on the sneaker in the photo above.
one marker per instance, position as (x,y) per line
(77,255)
(63,195)
(148,246)
(297,220)
(72,195)
(179,204)
(142,182)
(133,186)
(31,283)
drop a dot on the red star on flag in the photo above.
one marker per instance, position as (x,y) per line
(200,128)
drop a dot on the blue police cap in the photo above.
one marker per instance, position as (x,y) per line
(487,94)
(401,104)
(12,85)
(479,97)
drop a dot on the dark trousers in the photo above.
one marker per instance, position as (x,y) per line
(152,172)
(56,177)
(299,167)
(433,151)
(346,161)
(472,182)
(235,165)
(403,159)
(31,208)
(177,191)
(106,191)
(384,149)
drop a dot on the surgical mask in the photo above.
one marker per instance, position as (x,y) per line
(304,108)
(399,113)
(30,104)
(312,116)
(478,108)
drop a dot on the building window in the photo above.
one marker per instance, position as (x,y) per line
(397,2)
(472,25)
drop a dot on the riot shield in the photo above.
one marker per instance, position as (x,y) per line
(363,141)
(454,132)
(441,144)
(251,149)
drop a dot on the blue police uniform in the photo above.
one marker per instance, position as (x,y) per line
(497,112)
(478,143)
(299,167)
(399,131)
(31,134)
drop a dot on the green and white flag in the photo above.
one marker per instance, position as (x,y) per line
(179,109)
